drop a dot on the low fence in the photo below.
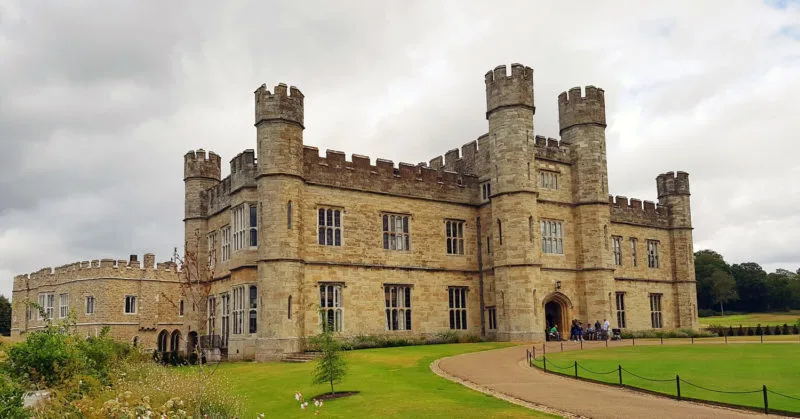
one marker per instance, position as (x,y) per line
(758,330)
(574,371)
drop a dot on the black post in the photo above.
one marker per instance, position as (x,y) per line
(678,384)
(581,344)
(634,340)
(766,404)
(576,371)
(692,340)
(726,338)
(534,352)
(544,349)
(606,343)
(619,368)
(762,336)
(562,346)
(662,339)
(544,363)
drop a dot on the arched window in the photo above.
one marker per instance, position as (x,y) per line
(175,342)
(162,341)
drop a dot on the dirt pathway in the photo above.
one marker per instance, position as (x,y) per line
(503,373)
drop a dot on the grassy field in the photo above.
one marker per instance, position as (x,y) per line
(732,367)
(394,382)
(753,319)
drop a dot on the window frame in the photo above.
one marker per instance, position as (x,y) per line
(619,307)
(252,309)
(454,242)
(133,303)
(211,314)
(238,310)
(656,316)
(330,226)
(652,254)
(211,239)
(492,316)
(225,241)
(457,307)
(634,259)
(548,179)
(398,307)
(616,249)
(63,305)
(331,305)
(552,236)
(390,223)
(88,303)
(486,191)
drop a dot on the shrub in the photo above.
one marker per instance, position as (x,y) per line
(785,329)
(11,404)
(740,331)
(704,312)
(668,334)
(796,330)
(46,357)
(767,330)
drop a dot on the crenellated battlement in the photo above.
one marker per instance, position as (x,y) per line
(551,149)
(509,90)
(100,269)
(577,109)
(286,104)
(198,164)
(636,211)
(672,183)
(414,180)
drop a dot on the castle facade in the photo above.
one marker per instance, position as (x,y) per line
(505,237)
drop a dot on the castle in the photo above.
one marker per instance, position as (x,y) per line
(509,235)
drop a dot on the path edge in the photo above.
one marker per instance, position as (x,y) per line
(434,366)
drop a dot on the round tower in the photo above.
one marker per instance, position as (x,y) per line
(201,171)
(510,110)
(279,128)
(673,193)
(582,124)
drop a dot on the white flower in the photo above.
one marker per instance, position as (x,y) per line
(316,403)
(303,406)
(297,396)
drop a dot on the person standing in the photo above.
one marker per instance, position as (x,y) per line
(606,325)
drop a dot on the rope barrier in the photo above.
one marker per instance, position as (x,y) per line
(783,395)
(720,391)
(598,373)
(649,379)
(551,364)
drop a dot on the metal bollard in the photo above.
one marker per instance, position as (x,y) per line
(678,384)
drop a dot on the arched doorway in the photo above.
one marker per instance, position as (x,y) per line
(191,343)
(556,313)
(162,341)
(175,341)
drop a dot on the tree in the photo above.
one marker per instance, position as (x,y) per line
(751,286)
(723,289)
(5,316)
(331,367)
(706,262)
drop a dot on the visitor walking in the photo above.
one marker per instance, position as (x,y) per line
(606,326)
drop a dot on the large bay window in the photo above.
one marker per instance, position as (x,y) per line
(330,307)
(245,226)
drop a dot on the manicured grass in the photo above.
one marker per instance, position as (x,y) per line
(732,367)
(753,319)
(394,382)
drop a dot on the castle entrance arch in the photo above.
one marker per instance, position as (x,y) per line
(556,313)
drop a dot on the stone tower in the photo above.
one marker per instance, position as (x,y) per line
(673,193)
(280,181)
(582,124)
(510,110)
(201,171)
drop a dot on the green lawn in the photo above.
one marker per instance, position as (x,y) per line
(394,382)
(732,367)
(753,319)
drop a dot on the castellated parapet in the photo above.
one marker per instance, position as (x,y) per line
(198,164)
(638,212)
(503,90)
(576,109)
(671,183)
(283,105)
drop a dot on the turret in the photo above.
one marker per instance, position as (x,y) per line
(510,110)
(673,193)
(201,171)
(279,122)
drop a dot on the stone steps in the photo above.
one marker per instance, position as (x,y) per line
(300,357)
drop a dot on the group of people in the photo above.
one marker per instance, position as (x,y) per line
(578,332)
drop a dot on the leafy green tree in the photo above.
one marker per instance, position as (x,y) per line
(331,366)
(751,284)
(5,316)
(706,262)
(723,289)
(779,292)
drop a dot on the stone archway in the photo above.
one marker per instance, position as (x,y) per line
(557,312)
(175,341)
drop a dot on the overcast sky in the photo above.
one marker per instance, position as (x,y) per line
(100,100)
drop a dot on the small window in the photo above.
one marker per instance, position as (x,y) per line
(63,307)
(211,317)
(530,229)
(488,245)
(253,225)
(180,309)
(652,254)
(458,307)
(329,224)
(655,311)
(238,310)
(89,305)
(616,248)
(500,231)
(634,260)
(226,243)
(486,191)
(492,318)
(47,303)
(454,230)
(396,232)
(398,307)
(289,215)
(253,309)
(289,308)
(130,304)
(212,249)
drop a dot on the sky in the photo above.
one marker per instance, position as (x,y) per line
(99,101)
